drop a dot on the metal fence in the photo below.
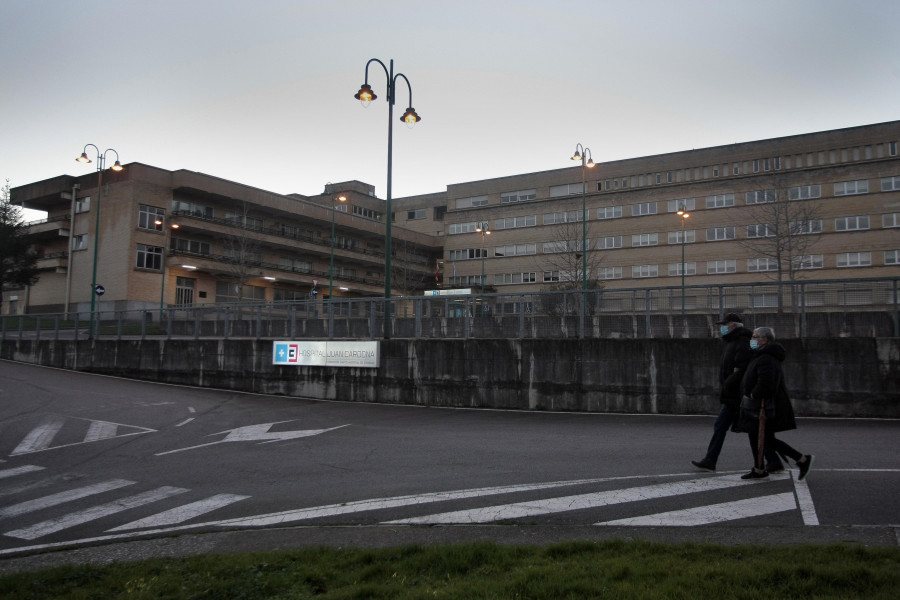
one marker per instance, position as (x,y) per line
(819,309)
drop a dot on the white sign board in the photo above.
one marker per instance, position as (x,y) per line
(325,354)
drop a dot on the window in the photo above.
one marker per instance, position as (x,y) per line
(714,267)
(716,171)
(812,261)
(756,165)
(515,250)
(851,223)
(296,265)
(80,241)
(760,231)
(892,257)
(808,227)
(658,178)
(514,278)
(367,213)
(515,222)
(521,196)
(892,148)
(720,201)
(644,239)
(551,276)
(609,212)
(83,204)
(606,243)
(609,273)
(231,292)
(149,257)
(472,202)
(184,291)
(640,271)
(718,234)
(624,182)
(890,184)
(468,253)
(456,228)
(572,216)
(850,188)
(151,217)
(777,161)
(890,220)
(562,246)
(439,212)
(414,215)
(757,265)
(566,189)
(805,192)
(761,197)
(736,169)
(191,246)
(674,206)
(690,268)
(690,236)
(644,208)
(192,209)
(854,259)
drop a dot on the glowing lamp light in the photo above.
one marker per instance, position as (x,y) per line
(365,94)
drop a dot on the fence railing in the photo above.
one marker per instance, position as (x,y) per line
(813,309)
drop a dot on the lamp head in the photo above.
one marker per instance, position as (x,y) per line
(83,158)
(117,167)
(577,155)
(365,94)
(590,163)
(341,198)
(410,117)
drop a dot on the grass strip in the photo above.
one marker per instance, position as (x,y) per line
(621,570)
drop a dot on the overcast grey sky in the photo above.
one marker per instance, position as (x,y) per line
(262,92)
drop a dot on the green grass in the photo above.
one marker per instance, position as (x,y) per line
(616,570)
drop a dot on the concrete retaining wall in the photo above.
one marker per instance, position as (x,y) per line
(850,377)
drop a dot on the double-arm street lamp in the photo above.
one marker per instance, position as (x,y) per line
(342,198)
(117,166)
(161,222)
(685,215)
(484,231)
(366,95)
(584,155)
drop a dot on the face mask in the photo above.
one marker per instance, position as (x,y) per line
(754,345)
(724,330)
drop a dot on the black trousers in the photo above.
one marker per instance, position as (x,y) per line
(773,443)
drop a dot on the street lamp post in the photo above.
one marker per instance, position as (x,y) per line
(484,231)
(117,166)
(366,95)
(334,199)
(165,255)
(684,217)
(584,155)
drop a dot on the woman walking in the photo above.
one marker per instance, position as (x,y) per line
(764,390)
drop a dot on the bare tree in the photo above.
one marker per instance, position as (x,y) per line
(409,269)
(784,221)
(241,249)
(564,257)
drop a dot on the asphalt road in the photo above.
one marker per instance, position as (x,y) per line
(100,468)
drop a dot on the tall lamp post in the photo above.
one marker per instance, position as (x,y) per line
(334,199)
(366,95)
(117,166)
(584,155)
(484,231)
(165,255)
(685,215)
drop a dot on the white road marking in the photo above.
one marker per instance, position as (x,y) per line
(19,471)
(713,513)
(805,502)
(256,433)
(100,430)
(22,508)
(185,422)
(182,513)
(93,513)
(579,502)
(40,437)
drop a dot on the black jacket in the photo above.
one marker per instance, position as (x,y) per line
(736,355)
(764,380)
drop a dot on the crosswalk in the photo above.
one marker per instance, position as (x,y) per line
(116,506)
(57,431)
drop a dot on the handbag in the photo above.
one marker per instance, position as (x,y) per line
(751,406)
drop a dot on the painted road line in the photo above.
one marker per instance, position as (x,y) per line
(182,513)
(804,500)
(93,513)
(579,502)
(713,513)
(185,422)
(22,508)
(40,437)
(16,471)
(100,430)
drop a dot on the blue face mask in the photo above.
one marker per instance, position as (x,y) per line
(724,330)
(754,345)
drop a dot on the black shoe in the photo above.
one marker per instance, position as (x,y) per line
(704,464)
(754,474)
(805,466)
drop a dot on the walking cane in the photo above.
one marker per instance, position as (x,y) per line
(762,435)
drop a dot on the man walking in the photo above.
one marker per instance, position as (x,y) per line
(736,355)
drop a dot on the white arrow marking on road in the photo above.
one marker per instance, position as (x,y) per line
(579,502)
(713,513)
(182,513)
(257,433)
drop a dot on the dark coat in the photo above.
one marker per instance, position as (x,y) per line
(764,380)
(736,355)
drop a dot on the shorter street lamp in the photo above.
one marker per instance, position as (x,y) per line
(584,155)
(117,166)
(484,231)
(334,199)
(685,215)
(161,221)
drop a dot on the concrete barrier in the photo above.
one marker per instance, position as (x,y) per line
(841,377)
